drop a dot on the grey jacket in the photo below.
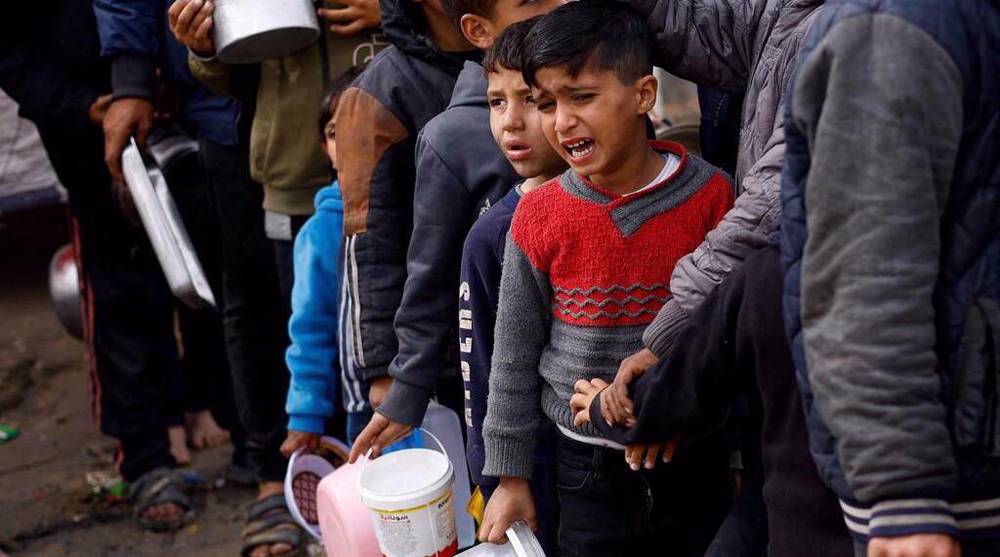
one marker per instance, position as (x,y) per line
(731,44)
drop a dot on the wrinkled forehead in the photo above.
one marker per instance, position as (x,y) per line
(559,80)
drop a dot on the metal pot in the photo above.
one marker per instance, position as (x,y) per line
(64,289)
(250,31)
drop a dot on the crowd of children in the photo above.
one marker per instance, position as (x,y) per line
(651,356)
(568,234)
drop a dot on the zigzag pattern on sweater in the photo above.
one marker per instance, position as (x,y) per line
(606,314)
(608,290)
(630,299)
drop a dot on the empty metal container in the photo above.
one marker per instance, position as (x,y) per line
(250,31)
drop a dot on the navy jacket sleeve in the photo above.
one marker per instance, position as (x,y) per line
(132,37)
(45,92)
(478,295)
(425,322)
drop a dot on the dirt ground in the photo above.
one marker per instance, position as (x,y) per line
(46,505)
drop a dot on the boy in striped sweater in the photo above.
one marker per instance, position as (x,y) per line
(586,267)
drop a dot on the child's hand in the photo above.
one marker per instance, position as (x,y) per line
(378,389)
(510,502)
(297,439)
(616,407)
(377,435)
(191,22)
(641,455)
(580,402)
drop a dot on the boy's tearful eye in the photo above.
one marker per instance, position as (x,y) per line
(546,105)
(496,103)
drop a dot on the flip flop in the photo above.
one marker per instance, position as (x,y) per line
(158,487)
(267,524)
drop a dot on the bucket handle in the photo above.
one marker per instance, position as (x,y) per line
(423,430)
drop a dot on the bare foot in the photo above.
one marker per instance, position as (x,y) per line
(164,512)
(178,445)
(203,431)
(268,489)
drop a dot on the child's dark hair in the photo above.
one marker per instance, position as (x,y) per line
(590,34)
(507,50)
(455,9)
(336,87)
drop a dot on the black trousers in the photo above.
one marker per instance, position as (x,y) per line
(136,387)
(204,360)
(255,324)
(607,509)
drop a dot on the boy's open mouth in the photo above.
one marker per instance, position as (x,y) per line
(517,150)
(579,148)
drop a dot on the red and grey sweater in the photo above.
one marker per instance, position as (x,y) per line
(584,272)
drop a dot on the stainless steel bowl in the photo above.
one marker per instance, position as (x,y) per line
(251,31)
(64,289)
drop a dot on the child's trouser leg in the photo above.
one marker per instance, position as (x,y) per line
(607,509)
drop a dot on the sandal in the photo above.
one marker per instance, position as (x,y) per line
(158,487)
(267,524)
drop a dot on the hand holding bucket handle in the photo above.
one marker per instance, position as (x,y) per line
(369,454)
(378,434)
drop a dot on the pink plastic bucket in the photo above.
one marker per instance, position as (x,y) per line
(343,519)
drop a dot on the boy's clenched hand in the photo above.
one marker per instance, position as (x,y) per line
(586,392)
(510,502)
(191,22)
(616,406)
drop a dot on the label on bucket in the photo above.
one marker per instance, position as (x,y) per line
(428,530)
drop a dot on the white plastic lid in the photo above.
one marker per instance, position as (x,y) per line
(405,478)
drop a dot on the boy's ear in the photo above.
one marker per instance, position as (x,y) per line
(478,30)
(645,90)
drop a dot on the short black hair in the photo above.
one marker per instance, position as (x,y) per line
(508,50)
(595,34)
(336,87)
(455,9)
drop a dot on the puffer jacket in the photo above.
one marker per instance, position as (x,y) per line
(289,163)
(378,121)
(731,45)
(890,241)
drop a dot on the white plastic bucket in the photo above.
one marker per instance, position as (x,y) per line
(409,497)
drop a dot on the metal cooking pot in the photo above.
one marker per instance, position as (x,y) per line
(250,31)
(64,289)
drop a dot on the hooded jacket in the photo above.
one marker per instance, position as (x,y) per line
(460,173)
(378,120)
(312,355)
(289,163)
(731,45)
